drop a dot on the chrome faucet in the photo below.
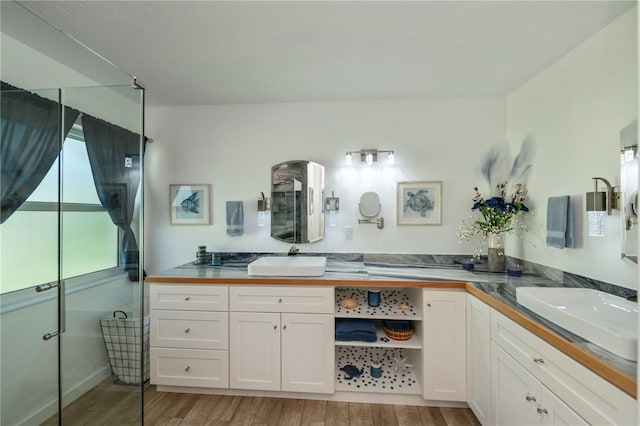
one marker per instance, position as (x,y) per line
(293,251)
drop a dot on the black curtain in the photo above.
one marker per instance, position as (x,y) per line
(30,143)
(115,165)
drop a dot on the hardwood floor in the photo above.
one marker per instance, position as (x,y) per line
(109,405)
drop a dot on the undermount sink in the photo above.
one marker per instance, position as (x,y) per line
(288,266)
(601,318)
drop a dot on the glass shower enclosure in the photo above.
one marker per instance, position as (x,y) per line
(73,341)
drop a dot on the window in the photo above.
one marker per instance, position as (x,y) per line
(29,238)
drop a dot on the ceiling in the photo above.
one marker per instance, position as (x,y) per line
(213,52)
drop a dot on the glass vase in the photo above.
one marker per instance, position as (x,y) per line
(495,252)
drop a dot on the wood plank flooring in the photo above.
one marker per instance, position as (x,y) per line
(108,405)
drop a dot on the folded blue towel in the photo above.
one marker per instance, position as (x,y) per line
(559,222)
(235,218)
(362,330)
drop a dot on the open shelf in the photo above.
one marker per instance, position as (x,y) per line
(390,300)
(399,382)
(412,343)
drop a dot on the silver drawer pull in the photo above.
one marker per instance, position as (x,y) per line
(542,410)
(188,330)
(187,298)
(530,398)
(538,360)
(188,368)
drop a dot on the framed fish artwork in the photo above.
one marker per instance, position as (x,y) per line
(190,204)
(419,203)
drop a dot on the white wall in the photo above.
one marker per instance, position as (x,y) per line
(233,148)
(576,108)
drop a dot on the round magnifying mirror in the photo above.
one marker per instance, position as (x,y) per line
(369,204)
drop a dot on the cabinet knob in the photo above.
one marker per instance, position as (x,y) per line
(275,326)
(279,300)
(541,410)
(429,304)
(187,298)
(284,327)
(187,330)
(530,398)
(538,360)
(188,368)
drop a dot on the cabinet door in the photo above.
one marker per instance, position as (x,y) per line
(479,358)
(514,391)
(444,345)
(308,354)
(254,350)
(554,412)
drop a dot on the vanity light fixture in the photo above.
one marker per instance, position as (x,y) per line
(263,206)
(370,156)
(332,205)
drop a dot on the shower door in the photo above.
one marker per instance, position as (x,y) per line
(69,258)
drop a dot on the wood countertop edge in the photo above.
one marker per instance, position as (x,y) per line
(614,376)
(310,281)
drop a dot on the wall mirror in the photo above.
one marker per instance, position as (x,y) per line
(629,191)
(297,210)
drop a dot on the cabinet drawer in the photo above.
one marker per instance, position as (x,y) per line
(282,299)
(189,297)
(595,399)
(188,367)
(189,329)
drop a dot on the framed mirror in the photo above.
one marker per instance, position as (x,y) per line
(629,191)
(297,210)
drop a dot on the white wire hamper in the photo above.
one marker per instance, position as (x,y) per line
(124,347)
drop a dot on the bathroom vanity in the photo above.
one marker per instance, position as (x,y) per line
(223,332)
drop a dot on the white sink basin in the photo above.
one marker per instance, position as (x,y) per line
(601,318)
(288,266)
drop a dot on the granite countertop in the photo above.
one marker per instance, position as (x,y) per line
(498,286)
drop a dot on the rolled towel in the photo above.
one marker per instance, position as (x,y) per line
(559,222)
(235,218)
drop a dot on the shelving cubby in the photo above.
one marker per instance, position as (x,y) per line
(363,354)
(397,382)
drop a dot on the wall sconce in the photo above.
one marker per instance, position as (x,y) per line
(599,202)
(332,205)
(369,156)
(263,206)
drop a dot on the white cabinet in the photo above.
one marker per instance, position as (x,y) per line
(577,389)
(289,351)
(307,353)
(520,399)
(479,358)
(189,335)
(444,327)
(255,350)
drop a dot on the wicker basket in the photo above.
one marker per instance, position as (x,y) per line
(398,335)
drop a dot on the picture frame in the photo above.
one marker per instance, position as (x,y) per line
(419,203)
(190,204)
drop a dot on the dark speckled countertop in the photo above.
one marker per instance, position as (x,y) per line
(499,287)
